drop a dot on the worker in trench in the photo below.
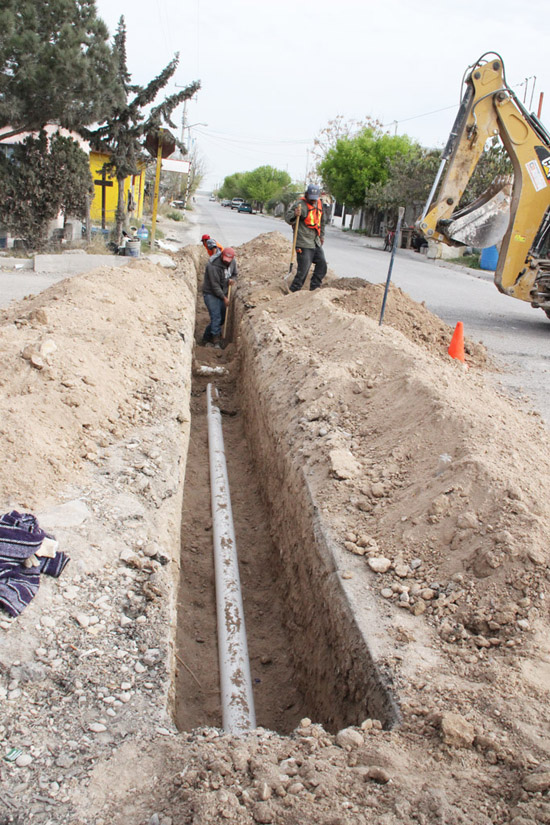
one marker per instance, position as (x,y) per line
(220,274)
(310,212)
(211,246)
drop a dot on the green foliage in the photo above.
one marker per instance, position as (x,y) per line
(264,183)
(472,261)
(175,216)
(410,178)
(355,164)
(39,179)
(233,186)
(56,65)
(337,129)
(259,185)
(122,132)
(286,196)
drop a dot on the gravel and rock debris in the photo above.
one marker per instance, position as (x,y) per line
(449,559)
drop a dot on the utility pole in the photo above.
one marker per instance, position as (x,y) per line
(183,120)
(156,190)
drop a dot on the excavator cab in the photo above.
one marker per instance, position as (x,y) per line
(515,211)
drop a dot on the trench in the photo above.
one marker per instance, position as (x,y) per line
(308,658)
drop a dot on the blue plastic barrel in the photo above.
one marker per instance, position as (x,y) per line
(489,258)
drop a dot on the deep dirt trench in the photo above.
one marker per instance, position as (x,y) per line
(307,658)
(279,706)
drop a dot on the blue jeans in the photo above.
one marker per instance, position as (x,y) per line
(216,310)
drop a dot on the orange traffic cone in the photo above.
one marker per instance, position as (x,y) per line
(456,347)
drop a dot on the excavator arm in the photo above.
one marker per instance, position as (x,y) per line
(515,211)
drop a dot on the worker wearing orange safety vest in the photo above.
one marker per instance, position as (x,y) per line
(310,213)
(211,246)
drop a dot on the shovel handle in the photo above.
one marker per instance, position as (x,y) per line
(289,273)
(224,330)
(297,221)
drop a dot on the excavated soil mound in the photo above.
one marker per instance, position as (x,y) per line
(427,487)
(416,322)
(263,259)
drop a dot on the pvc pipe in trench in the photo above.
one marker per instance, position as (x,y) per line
(236,684)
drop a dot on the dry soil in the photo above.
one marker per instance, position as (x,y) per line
(393,526)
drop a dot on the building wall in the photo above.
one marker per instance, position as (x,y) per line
(133,184)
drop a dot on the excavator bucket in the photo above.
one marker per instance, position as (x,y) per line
(484,222)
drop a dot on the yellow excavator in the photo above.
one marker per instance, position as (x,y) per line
(515,210)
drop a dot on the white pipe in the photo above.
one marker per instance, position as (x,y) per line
(236,685)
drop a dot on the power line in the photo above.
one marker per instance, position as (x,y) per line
(263,141)
(406,119)
(257,150)
(444,109)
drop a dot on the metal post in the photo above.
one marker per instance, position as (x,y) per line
(156,191)
(235,680)
(396,237)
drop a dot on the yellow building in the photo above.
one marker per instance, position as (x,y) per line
(104,204)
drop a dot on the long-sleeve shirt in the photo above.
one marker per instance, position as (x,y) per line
(307,237)
(217,275)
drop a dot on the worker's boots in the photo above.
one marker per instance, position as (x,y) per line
(216,341)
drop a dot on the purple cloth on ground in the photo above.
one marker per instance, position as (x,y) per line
(20,537)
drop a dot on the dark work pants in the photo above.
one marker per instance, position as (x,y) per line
(305,258)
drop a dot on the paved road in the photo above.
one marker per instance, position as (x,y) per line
(516,335)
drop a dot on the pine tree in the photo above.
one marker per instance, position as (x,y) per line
(122,132)
(56,65)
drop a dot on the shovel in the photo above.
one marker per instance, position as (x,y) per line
(225,323)
(289,273)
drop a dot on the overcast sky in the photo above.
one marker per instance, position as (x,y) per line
(274,73)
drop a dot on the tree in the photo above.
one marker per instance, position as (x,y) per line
(197,170)
(40,178)
(337,129)
(233,186)
(122,132)
(56,65)
(260,185)
(264,183)
(355,164)
(410,178)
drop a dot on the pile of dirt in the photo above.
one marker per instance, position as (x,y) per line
(429,484)
(416,322)
(265,262)
(77,368)
(93,411)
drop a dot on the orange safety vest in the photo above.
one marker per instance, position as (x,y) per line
(214,249)
(313,217)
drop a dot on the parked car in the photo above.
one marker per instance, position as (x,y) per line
(212,198)
(236,202)
(225,202)
(178,204)
(245,207)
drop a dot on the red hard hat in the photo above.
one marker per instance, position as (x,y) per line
(228,253)
(205,238)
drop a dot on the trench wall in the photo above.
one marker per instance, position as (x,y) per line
(334,665)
